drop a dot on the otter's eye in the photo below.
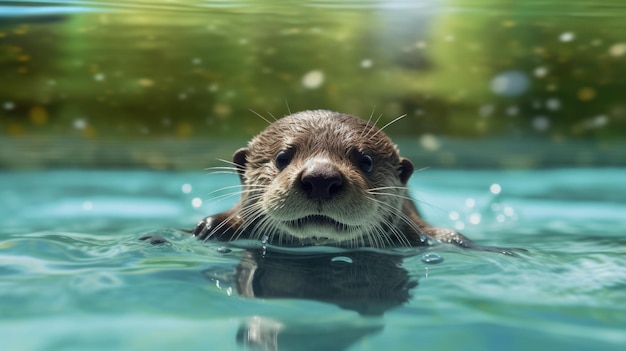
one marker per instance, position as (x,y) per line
(366,164)
(282,160)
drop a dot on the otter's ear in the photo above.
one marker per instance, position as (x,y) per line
(405,170)
(240,160)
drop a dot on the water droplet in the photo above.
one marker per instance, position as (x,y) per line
(341,261)
(367,63)
(512,111)
(567,37)
(618,49)
(540,72)
(264,241)
(598,121)
(474,218)
(196,202)
(509,211)
(223,250)
(541,123)
(9,105)
(432,258)
(510,83)
(186,188)
(486,110)
(145,82)
(553,104)
(80,123)
(429,142)
(313,79)
(99,77)
(495,189)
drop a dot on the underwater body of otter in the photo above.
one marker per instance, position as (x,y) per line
(75,275)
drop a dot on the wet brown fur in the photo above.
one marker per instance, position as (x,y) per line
(337,141)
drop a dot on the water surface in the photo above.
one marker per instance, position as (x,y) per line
(75,274)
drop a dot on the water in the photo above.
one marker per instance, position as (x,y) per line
(74,275)
(168,85)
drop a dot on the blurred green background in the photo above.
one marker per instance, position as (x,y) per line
(178,84)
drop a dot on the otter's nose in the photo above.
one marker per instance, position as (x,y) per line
(321,180)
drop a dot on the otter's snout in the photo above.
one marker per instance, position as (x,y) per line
(321,180)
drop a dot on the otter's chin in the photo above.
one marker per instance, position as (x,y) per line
(321,229)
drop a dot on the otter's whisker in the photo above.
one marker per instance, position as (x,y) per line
(287,104)
(388,124)
(225,222)
(260,116)
(368,123)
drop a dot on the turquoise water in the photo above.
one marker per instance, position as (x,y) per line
(74,275)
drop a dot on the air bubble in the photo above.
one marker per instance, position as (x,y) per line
(432,258)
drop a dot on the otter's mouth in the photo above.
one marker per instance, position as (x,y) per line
(318,221)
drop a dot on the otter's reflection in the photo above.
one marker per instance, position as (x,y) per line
(369,283)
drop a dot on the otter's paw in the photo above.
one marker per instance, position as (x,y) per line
(451,237)
(203,229)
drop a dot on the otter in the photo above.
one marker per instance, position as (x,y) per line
(326,178)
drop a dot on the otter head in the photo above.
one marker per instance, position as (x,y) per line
(324,178)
